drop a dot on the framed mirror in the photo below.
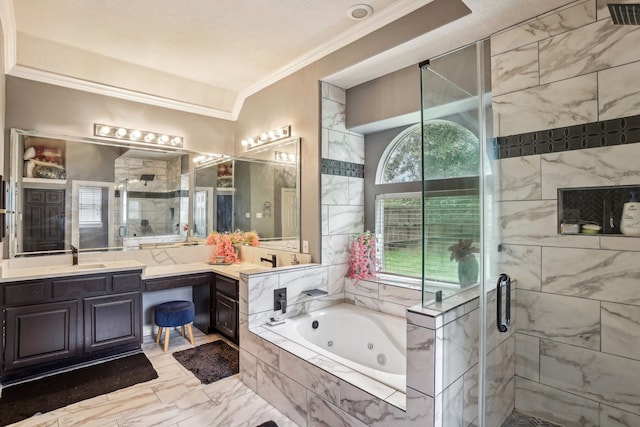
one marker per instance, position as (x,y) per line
(258,191)
(103,195)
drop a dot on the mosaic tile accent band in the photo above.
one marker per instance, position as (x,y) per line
(625,130)
(340,168)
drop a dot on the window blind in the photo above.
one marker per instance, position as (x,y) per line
(448,217)
(89,205)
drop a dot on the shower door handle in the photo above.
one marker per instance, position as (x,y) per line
(504,282)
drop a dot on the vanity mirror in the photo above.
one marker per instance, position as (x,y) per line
(97,195)
(258,191)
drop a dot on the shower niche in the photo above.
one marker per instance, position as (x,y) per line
(597,206)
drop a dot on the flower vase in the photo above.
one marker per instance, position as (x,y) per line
(468,271)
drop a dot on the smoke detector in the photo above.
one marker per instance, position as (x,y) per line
(359,11)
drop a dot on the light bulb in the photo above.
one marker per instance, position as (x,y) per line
(149,137)
(272,134)
(136,134)
(163,139)
(176,140)
(263,137)
(121,132)
(104,130)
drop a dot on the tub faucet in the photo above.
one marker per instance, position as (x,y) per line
(283,305)
(74,253)
(271,260)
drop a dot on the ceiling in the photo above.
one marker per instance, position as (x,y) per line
(207,56)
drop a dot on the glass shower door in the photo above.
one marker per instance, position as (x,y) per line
(121,212)
(461,237)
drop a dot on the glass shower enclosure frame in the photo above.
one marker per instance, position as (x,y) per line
(456,100)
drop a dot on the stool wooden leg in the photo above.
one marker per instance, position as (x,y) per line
(193,342)
(182,329)
(159,334)
(166,339)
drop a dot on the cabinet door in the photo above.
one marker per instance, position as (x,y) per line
(226,315)
(111,321)
(40,333)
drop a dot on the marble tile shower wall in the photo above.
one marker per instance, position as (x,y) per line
(577,357)
(342,207)
(154,210)
(342,185)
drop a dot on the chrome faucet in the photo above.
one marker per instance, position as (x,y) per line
(74,253)
(272,260)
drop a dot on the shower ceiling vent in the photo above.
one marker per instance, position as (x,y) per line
(624,14)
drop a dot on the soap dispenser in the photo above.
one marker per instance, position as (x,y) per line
(630,221)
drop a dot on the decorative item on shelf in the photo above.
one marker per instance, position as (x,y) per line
(362,256)
(44,162)
(463,252)
(226,244)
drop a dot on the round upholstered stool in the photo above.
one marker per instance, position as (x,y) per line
(173,314)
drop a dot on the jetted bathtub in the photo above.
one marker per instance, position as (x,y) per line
(367,341)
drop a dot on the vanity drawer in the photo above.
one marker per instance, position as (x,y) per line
(25,292)
(226,286)
(176,282)
(125,282)
(79,286)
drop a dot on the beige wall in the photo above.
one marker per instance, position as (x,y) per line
(62,111)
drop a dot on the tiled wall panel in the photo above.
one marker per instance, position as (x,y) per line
(577,316)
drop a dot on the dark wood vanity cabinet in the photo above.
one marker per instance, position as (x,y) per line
(40,333)
(224,314)
(61,321)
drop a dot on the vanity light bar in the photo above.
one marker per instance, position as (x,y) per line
(125,134)
(267,138)
(281,156)
(209,158)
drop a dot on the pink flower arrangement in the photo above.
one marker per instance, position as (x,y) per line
(362,256)
(224,243)
(223,247)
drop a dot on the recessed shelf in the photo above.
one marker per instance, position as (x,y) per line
(594,205)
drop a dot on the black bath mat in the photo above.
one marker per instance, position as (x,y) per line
(210,362)
(23,400)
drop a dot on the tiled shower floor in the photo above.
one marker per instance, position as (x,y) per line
(518,419)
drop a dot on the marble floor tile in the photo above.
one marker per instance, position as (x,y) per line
(175,399)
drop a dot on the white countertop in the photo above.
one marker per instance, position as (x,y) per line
(37,272)
(232,270)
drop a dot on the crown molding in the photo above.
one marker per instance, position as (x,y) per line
(375,22)
(126,94)
(8,19)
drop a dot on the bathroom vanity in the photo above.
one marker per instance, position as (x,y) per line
(59,321)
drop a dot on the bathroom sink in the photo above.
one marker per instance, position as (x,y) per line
(88,267)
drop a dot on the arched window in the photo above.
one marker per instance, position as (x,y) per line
(450,150)
(451,167)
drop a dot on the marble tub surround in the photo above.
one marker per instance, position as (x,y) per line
(257,290)
(442,359)
(577,313)
(378,295)
(311,389)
